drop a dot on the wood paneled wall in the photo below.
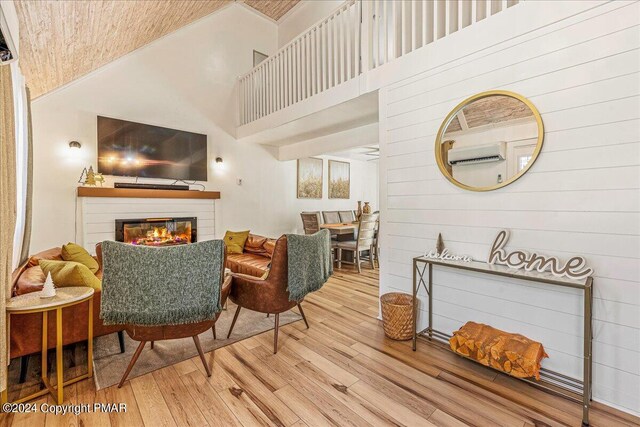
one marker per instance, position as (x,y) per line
(582,196)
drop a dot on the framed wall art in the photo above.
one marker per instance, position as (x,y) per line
(339,179)
(309,178)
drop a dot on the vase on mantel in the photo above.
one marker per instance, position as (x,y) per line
(359,211)
(366,209)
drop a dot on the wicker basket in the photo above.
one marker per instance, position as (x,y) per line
(396,315)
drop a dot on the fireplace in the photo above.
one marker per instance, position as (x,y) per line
(157,231)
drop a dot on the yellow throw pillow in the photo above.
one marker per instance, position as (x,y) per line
(235,240)
(76,253)
(69,273)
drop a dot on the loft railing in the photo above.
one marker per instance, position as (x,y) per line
(358,36)
(320,58)
(400,27)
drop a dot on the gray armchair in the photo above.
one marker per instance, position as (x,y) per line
(163,293)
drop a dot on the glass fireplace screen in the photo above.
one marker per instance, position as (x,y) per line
(156,231)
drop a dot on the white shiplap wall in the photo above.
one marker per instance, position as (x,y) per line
(582,196)
(96,215)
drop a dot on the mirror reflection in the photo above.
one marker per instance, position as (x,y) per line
(489,141)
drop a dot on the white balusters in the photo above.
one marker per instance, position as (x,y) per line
(337,45)
(307,66)
(349,28)
(366,39)
(357,29)
(358,36)
(396,29)
(430,24)
(383,30)
(298,77)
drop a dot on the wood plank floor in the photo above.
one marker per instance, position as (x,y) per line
(341,371)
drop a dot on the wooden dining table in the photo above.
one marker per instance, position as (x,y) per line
(344,230)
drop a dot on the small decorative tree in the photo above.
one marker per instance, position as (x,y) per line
(48,290)
(439,244)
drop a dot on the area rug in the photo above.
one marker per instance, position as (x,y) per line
(109,364)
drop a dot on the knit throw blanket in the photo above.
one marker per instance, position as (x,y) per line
(150,286)
(309,261)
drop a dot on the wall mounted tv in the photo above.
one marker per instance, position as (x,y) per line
(135,149)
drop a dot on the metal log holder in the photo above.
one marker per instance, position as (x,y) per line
(554,382)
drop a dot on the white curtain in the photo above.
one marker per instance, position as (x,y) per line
(22,153)
(7,208)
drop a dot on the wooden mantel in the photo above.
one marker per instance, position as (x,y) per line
(146,193)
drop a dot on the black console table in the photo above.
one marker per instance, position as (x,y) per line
(552,381)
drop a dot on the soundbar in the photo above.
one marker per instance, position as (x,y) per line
(150,186)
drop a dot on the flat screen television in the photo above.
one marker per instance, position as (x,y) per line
(135,149)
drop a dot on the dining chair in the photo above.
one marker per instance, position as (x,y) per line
(310,222)
(331,217)
(376,241)
(346,216)
(364,241)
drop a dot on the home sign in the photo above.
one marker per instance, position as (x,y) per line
(574,268)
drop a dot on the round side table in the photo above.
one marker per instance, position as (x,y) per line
(32,303)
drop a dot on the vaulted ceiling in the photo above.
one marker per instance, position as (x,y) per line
(88,34)
(274,9)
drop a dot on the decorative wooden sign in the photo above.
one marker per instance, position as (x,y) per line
(574,268)
(445,255)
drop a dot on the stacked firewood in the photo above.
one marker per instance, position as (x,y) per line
(514,354)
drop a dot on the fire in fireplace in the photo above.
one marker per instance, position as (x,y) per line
(157,231)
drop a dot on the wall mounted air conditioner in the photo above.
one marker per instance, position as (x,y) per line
(477,154)
(8,51)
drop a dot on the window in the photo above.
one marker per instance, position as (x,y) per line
(522,162)
(258,57)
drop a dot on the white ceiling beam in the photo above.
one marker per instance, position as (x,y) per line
(335,142)
(463,120)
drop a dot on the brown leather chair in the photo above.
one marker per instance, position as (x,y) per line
(268,295)
(170,332)
(146,334)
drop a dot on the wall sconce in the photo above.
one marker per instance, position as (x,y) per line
(218,165)
(75,144)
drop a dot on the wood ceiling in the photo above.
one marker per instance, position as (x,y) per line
(274,9)
(489,110)
(91,33)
